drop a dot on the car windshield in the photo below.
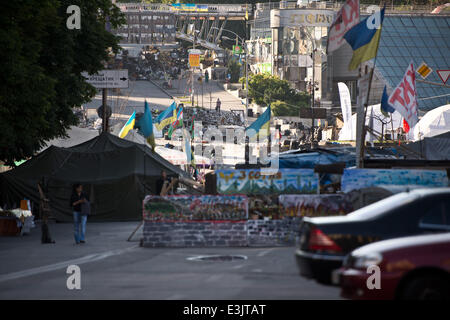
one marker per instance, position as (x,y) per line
(383,206)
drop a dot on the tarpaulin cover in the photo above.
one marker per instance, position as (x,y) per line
(431,148)
(310,158)
(296,160)
(116,174)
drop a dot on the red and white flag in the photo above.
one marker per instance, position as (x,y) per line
(404,97)
(346,18)
(405,126)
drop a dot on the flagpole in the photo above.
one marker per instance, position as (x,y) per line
(145,188)
(360,154)
(392,128)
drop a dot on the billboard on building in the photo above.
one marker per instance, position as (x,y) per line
(301,18)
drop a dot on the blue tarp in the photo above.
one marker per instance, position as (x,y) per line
(311,159)
(296,159)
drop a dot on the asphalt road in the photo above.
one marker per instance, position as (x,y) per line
(133,98)
(211,91)
(112,268)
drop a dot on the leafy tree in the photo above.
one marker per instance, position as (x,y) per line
(42,61)
(281,109)
(265,89)
(234,69)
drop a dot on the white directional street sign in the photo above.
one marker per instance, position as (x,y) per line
(108,79)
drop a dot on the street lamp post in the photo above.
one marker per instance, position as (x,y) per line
(313,84)
(313,88)
(246,84)
(194,34)
(244,44)
(192,77)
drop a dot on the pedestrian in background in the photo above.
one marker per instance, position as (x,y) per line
(80,205)
(218,103)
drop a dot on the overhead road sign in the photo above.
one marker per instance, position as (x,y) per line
(108,79)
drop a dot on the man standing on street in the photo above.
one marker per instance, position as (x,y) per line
(78,200)
(218,103)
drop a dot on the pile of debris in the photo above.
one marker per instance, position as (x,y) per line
(213,117)
(153,63)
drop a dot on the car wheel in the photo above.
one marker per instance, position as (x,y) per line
(324,279)
(427,288)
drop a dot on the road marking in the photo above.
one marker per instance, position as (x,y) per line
(238,267)
(263,253)
(61,265)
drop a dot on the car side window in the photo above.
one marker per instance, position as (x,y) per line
(436,215)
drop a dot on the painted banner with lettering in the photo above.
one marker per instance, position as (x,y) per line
(195,207)
(404,97)
(300,205)
(252,181)
(346,18)
(353,179)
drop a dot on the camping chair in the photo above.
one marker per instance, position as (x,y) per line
(44,204)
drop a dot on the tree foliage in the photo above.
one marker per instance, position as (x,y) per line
(234,69)
(266,89)
(282,109)
(41,67)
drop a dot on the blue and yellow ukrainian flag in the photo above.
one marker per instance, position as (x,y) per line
(364,38)
(145,125)
(177,123)
(261,126)
(166,117)
(128,126)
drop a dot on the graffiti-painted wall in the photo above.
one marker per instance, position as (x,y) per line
(198,208)
(253,181)
(354,179)
(298,205)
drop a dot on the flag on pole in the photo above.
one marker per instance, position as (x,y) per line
(128,126)
(261,126)
(364,39)
(192,126)
(404,97)
(145,125)
(177,123)
(405,126)
(166,117)
(386,108)
(346,18)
